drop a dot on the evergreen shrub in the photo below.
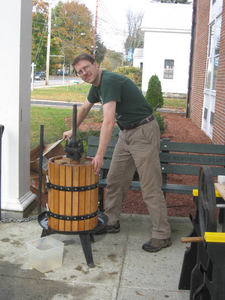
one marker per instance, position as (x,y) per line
(154,94)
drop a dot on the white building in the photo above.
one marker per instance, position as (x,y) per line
(167,36)
(138,58)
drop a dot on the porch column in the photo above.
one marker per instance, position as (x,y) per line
(15,85)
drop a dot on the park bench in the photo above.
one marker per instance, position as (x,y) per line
(183,159)
(203,264)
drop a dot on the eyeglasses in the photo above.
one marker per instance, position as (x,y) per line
(85,69)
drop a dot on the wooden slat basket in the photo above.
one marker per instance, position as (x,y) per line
(79,204)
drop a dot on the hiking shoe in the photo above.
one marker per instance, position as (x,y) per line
(155,245)
(109,229)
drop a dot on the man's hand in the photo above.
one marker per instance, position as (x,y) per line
(67,134)
(98,163)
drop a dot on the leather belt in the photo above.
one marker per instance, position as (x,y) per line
(142,122)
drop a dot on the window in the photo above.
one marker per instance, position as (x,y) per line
(168,69)
(213,55)
(205,113)
(212,118)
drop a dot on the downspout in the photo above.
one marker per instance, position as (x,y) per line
(191,57)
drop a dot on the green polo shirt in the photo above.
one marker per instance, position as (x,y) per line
(131,105)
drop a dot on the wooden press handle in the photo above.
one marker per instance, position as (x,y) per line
(194,239)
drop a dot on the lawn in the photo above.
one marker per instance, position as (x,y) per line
(175,103)
(70,93)
(53,119)
(79,92)
(55,122)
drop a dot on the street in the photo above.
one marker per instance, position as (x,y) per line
(56,80)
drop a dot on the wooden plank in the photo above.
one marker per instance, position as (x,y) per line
(173,146)
(107,163)
(51,192)
(192,159)
(94,198)
(95,204)
(192,148)
(68,224)
(166,187)
(188,169)
(62,196)
(75,200)
(178,188)
(87,205)
(82,197)
(94,141)
(56,196)
(176,158)
(91,151)
(220,187)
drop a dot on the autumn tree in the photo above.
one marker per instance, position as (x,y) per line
(71,34)
(39,33)
(72,24)
(39,36)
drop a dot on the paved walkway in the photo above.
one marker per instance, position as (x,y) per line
(123,271)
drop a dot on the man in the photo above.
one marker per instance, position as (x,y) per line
(137,147)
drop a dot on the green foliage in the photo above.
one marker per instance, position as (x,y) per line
(154,94)
(72,25)
(53,121)
(175,103)
(70,93)
(100,51)
(97,115)
(160,119)
(54,125)
(135,74)
(112,60)
(71,34)
(82,136)
(39,33)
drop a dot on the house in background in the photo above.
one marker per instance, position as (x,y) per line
(166,53)
(138,58)
(206,97)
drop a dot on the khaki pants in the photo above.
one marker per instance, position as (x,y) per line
(138,148)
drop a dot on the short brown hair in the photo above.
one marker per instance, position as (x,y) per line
(83,56)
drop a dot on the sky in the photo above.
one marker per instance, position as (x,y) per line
(112,23)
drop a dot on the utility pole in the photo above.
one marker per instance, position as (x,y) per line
(48,43)
(32,75)
(96,22)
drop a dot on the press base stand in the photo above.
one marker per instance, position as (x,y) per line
(86,237)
